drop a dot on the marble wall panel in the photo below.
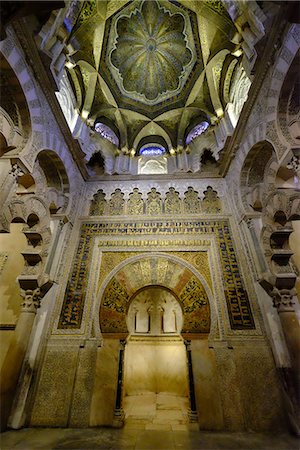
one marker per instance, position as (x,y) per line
(229,387)
(54,392)
(259,387)
(83,387)
(208,398)
(105,384)
(155,366)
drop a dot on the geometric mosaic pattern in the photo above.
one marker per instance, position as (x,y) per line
(238,306)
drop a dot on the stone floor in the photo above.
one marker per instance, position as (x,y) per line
(163,411)
(136,439)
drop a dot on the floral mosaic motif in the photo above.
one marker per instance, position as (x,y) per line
(153,203)
(191,201)
(195,307)
(151,52)
(239,310)
(211,202)
(193,300)
(98,204)
(172,202)
(116,203)
(115,297)
(135,203)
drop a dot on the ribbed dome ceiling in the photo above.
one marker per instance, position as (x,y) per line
(151,52)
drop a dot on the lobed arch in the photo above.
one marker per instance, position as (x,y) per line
(56,179)
(253,173)
(33,108)
(125,281)
(14,102)
(54,170)
(281,209)
(21,209)
(33,212)
(282,65)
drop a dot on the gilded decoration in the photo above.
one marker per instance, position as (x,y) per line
(172,202)
(135,203)
(116,203)
(239,311)
(98,204)
(178,279)
(110,260)
(199,260)
(153,203)
(211,202)
(191,201)
(151,54)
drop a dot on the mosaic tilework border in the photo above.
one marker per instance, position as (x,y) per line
(239,310)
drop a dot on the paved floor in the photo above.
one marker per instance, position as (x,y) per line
(135,439)
(163,411)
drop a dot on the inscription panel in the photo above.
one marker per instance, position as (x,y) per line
(239,310)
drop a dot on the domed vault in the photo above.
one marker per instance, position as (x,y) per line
(153,65)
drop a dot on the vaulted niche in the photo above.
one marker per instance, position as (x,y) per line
(152,159)
(154,311)
(155,375)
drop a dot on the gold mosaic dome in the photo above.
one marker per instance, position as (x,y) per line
(151,52)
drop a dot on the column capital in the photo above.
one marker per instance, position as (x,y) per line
(122,344)
(31,300)
(283,299)
(16,171)
(187,343)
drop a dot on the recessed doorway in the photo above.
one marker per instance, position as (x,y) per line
(155,375)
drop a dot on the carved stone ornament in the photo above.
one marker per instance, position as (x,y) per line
(283,299)
(116,204)
(172,202)
(191,201)
(211,201)
(154,202)
(31,300)
(135,202)
(98,205)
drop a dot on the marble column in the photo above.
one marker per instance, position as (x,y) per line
(193,416)
(119,417)
(14,359)
(283,300)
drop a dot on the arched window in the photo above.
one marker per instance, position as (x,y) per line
(106,131)
(152,150)
(196,131)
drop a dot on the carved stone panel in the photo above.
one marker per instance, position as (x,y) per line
(172,202)
(211,201)
(116,204)
(98,205)
(135,203)
(191,201)
(153,203)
